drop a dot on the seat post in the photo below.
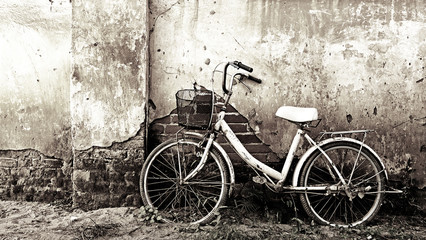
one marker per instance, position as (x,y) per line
(291,152)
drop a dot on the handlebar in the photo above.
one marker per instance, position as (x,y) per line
(241,65)
(237,65)
(254,79)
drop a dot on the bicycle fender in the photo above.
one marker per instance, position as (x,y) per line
(224,155)
(305,156)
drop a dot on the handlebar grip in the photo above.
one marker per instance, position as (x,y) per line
(254,79)
(245,67)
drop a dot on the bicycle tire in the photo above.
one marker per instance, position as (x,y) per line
(334,207)
(194,202)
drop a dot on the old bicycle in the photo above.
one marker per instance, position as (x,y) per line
(340,180)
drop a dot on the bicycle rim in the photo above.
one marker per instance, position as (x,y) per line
(334,206)
(195,201)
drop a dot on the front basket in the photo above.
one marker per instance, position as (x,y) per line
(195,108)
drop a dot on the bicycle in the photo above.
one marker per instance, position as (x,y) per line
(340,180)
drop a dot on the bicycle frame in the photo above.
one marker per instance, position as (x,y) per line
(270,173)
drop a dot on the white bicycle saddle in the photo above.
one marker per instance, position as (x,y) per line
(297,114)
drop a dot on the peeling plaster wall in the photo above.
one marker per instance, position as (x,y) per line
(109,75)
(361,63)
(72,100)
(35,42)
(35,69)
(109,44)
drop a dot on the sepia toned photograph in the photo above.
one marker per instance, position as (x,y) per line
(212,119)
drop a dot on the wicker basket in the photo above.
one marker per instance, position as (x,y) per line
(195,108)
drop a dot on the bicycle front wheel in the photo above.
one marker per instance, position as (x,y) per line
(339,205)
(193,201)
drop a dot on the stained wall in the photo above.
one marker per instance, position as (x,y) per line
(72,100)
(108,91)
(361,63)
(35,67)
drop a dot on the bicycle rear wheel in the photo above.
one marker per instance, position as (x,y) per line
(194,201)
(338,206)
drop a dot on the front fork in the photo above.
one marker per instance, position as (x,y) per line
(202,161)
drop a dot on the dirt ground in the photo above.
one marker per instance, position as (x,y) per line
(32,220)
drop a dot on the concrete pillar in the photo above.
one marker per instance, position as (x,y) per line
(108,89)
(35,69)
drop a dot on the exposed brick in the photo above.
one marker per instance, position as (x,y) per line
(118,199)
(106,176)
(248,138)
(52,163)
(157,128)
(81,175)
(133,200)
(258,148)
(100,200)
(164,120)
(238,127)
(109,154)
(235,158)
(251,148)
(172,129)
(117,188)
(90,163)
(8,162)
(235,118)
(272,157)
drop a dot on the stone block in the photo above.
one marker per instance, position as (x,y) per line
(8,162)
(51,163)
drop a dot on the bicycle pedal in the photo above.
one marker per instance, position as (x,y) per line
(259,179)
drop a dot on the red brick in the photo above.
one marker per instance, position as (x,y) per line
(235,158)
(251,148)
(164,120)
(8,162)
(52,163)
(250,138)
(172,129)
(239,127)
(258,148)
(244,138)
(156,128)
(272,158)
(235,118)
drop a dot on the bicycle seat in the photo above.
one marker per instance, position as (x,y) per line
(297,114)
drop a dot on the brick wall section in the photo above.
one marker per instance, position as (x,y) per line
(166,128)
(28,175)
(109,177)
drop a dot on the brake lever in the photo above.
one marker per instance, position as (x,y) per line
(245,85)
(240,79)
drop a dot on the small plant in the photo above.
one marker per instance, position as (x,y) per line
(149,214)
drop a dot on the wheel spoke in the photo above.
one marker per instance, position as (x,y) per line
(363,174)
(194,201)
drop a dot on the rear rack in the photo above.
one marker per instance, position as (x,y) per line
(341,133)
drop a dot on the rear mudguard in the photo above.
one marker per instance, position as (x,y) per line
(224,155)
(301,162)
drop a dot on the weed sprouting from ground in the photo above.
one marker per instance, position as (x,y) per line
(149,215)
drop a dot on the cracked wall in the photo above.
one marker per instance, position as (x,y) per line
(35,137)
(362,64)
(72,102)
(108,85)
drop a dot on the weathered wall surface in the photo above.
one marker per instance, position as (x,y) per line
(35,65)
(72,101)
(108,85)
(34,73)
(109,44)
(361,63)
